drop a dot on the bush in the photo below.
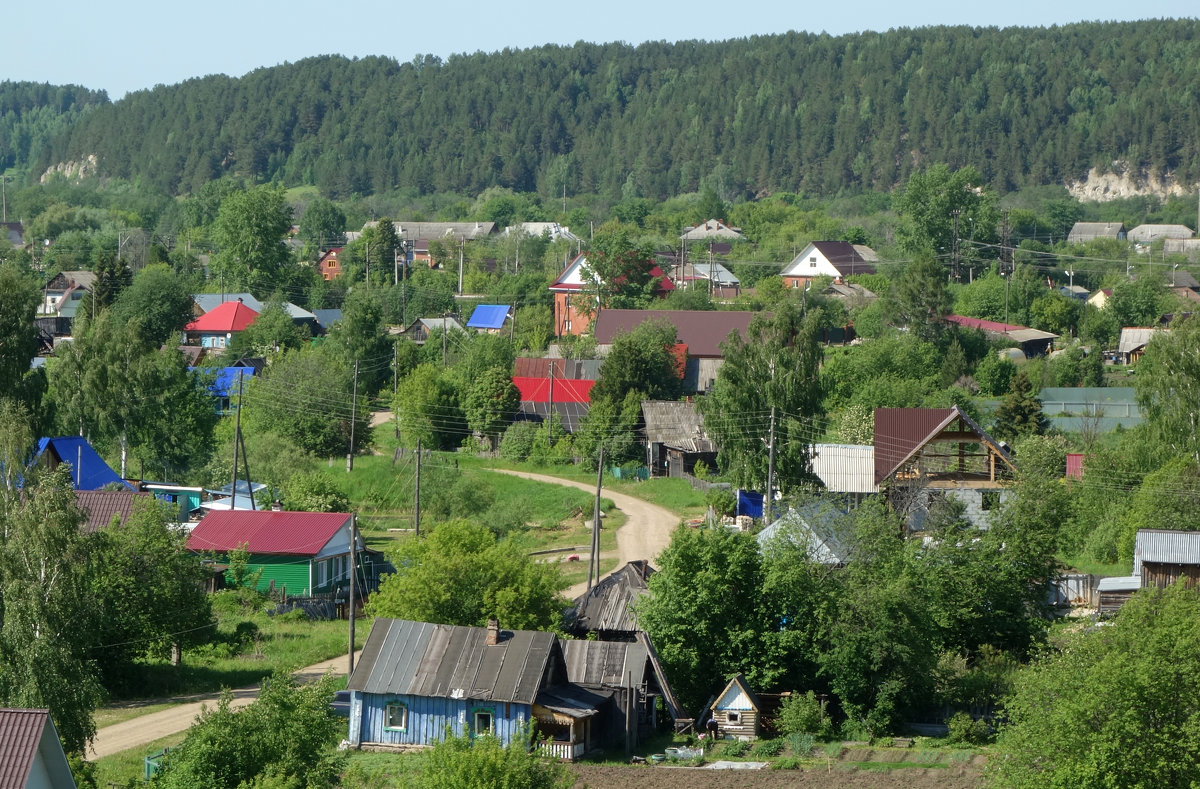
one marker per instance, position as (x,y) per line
(735,748)
(801,745)
(787,763)
(721,500)
(803,714)
(517,441)
(463,763)
(965,730)
(768,748)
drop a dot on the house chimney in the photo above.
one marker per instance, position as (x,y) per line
(493,632)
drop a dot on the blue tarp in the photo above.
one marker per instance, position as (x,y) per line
(488,316)
(226,382)
(750,503)
(88,469)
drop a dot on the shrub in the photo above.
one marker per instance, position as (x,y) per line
(463,763)
(721,500)
(517,441)
(803,714)
(787,763)
(965,730)
(768,748)
(736,748)
(801,745)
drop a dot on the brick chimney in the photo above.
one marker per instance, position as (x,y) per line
(493,632)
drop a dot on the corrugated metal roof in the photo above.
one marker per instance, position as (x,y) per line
(1165,546)
(1119,583)
(1147,233)
(20,734)
(488,316)
(537,390)
(1134,338)
(289,533)
(845,468)
(676,424)
(88,469)
(230,316)
(738,682)
(567,415)
(608,605)
(822,527)
(448,661)
(701,331)
(101,505)
(1009,330)
(603,662)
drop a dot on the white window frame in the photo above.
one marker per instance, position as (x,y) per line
(475,716)
(322,573)
(388,712)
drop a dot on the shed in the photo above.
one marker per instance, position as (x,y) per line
(1112,593)
(675,438)
(606,610)
(1162,556)
(1033,342)
(737,711)
(416,681)
(823,528)
(303,552)
(1133,341)
(31,755)
(845,468)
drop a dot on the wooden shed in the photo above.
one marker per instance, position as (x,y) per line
(1163,556)
(737,711)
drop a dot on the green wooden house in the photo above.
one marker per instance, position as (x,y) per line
(304,553)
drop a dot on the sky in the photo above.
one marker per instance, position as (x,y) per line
(128,45)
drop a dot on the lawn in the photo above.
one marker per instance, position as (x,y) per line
(121,768)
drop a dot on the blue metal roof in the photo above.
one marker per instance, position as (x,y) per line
(226,381)
(88,469)
(488,316)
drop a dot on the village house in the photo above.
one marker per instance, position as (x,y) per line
(710,230)
(921,453)
(31,755)
(329,267)
(103,508)
(215,329)
(421,329)
(836,259)
(65,292)
(1148,234)
(675,438)
(1083,232)
(1032,342)
(569,399)
(737,711)
(575,298)
(605,612)
(418,681)
(300,553)
(489,318)
(88,469)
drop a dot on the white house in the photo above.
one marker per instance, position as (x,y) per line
(836,259)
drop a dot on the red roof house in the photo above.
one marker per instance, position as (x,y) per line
(304,552)
(572,312)
(215,328)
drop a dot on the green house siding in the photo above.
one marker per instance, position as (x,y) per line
(286,571)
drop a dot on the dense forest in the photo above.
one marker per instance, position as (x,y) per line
(32,113)
(791,112)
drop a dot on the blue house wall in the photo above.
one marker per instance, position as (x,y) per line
(428,718)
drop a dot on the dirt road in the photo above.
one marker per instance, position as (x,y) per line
(647,528)
(148,728)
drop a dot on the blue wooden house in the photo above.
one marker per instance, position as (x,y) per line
(416,680)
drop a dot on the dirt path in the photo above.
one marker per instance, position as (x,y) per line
(148,728)
(647,528)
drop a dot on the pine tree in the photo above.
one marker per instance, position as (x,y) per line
(1020,414)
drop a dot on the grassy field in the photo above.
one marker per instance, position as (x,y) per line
(121,768)
(248,645)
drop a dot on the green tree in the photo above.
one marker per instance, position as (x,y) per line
(775,368)
(461,574)
(994,374)
(1020,413)
(920,300)
(112,277)
(1111,706)
(484,763)
(314,491)
(1168,387)
(704,612)
(286,737)
(361,335)
(273,331)
(644,361)
(150,591)
(927,207)
(491,402)
(427,409)
(620,268)
(45,647)
(322,225)
(307,398)
(158,302)
(19,300)
(249,231)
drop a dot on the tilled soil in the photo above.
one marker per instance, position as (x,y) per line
(603,776)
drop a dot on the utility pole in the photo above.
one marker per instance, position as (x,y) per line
(770,466)
(353,419)
(550,409)
(396,266)
(237,432)
(417,496)
(367,257)
(954,247)
(246,468)
(353,559)
(462,248)
(1005,232)
(443,339)
(594,558)
(395,386)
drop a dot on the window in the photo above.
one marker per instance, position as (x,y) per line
(396,717)
(733,717)
(812,262)
(482,722)
(322,573)
(567,325)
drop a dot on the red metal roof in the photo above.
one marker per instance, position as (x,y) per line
(20,734)
(537,390)
(101,505)
(702,331)
(1075,464)
(231,316)
(899,432)
(264,531)
(980,323)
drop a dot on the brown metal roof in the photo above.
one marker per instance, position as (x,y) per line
(702,331)
(448,661)
(20,735)
(608,606)
(901,432)
(100,506)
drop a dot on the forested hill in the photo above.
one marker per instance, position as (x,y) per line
(31,113)
(786,112)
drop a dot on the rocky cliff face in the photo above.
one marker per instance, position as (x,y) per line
(86,167)
(1121,182)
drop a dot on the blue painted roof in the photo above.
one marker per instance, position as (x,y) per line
(92,472)
(226,381)
(488,316)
